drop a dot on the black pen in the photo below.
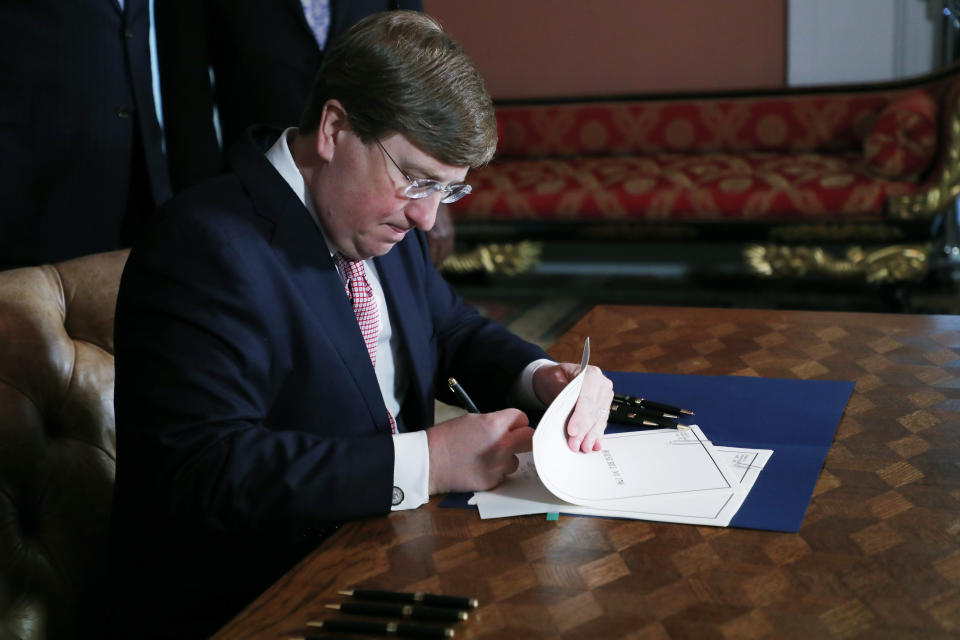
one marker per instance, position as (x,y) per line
(384,628)
(462,395)
(457,602)
(643,412)
(632,419)
(401,610)
(650,404)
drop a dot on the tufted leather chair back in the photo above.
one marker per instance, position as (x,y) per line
(57,444)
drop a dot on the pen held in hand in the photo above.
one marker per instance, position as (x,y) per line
(401,610)
(399,629)
(462,396)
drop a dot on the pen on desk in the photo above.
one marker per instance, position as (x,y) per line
(643,412)
(462,396)
(457,602)
(401,610)
(663,424)
(384,628)
(650,404)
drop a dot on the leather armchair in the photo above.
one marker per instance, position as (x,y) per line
(57,444)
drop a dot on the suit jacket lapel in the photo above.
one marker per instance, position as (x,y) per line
(300,245)
(406,316)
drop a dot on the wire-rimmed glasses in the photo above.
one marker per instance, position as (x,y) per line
(425,187)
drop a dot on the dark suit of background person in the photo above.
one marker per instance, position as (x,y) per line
(249,415)
(82,162)
(263,55)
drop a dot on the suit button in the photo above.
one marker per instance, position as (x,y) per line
(124,111)
(128,33)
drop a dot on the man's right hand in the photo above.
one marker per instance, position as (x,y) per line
(476,451)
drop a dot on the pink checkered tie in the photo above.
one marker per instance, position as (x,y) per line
(364,304)
(364,307)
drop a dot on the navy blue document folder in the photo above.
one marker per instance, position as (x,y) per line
(795,418)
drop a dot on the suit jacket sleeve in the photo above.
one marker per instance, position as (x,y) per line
(485,357)
(446,337)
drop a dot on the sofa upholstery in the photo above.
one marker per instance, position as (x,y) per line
(877,158)
(57,444)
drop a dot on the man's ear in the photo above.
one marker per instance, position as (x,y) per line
(333,121)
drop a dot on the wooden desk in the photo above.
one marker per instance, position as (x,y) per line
(878,554)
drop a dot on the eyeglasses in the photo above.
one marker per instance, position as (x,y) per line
(424,187)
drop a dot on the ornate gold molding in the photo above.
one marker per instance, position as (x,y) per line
(501,259)
(927,204)
(896,263)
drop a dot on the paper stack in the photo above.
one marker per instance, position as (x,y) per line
(669,475)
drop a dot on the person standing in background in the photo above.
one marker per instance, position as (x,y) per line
(250,62)
(82,152)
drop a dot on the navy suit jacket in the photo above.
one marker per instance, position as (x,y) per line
(249,419)
(81,153)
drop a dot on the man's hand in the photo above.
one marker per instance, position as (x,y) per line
(441,235)
(476,451)
(589,418)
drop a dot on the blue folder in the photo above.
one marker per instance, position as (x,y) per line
(795,418)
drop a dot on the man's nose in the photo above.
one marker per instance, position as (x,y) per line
(423,211)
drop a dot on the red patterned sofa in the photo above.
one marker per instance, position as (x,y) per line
(781,168)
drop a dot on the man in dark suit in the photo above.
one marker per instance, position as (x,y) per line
(281,336)
(82,160)
(263,55)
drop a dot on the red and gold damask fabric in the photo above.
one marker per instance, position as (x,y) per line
(903,140)
(829,122)
(708,186)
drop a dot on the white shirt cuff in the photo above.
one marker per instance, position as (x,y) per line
(523,390)
(411,470)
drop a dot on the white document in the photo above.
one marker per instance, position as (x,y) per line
(674,475)
(522,493)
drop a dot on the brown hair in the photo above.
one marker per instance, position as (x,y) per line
(397,71)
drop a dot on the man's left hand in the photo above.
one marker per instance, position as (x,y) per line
(589,418)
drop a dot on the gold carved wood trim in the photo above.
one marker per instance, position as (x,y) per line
(928,203)
(499,259)
(895,263)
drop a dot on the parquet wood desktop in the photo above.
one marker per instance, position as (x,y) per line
(878,555)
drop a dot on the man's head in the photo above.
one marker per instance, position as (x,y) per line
(398,72)
(397,116)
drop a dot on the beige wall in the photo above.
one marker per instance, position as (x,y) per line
(531,48)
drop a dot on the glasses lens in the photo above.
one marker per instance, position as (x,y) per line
(422,188)
(425,188)
(456,193)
